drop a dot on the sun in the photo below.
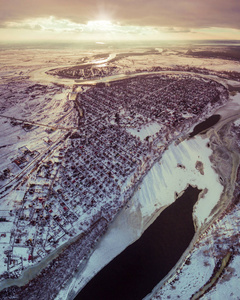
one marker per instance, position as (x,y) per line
(102,25)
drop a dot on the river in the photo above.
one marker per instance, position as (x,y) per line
(142,265)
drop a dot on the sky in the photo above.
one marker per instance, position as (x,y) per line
(102,20)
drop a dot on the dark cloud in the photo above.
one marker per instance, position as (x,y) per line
(167,13)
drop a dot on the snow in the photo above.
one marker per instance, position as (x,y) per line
(168,178)
(6,227)
(146,130)
(157,189)
(171,59)
(195,276)
(192,276)
(21,252)
(156,192)
(233,107)
(228,287)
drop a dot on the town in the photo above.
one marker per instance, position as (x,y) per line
(90,170)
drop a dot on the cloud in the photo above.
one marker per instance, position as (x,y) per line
(21,25)
(44,24)
(127,19)
(171,13)
(51,24)
(175,30)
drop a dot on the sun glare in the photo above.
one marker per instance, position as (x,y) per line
(102,25)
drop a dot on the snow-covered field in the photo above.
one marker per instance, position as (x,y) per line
(146,130)
(170,59)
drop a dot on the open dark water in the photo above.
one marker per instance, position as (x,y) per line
(209,122)
(141,266)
